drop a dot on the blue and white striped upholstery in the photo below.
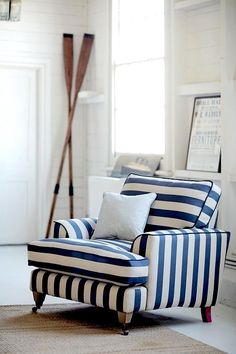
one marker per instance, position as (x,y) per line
(179,264)
(92,292)
(185,266)
(74,228)
(92,259)
(209,208)
(179,203)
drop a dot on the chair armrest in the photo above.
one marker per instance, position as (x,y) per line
(185,266)
(74,228)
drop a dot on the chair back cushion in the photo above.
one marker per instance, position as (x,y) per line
(179,203)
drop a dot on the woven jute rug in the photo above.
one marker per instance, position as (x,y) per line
(77,328)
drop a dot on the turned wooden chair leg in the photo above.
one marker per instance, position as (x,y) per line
(39,299)
(125,319)
(206,314)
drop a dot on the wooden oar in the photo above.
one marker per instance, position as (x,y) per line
(81,70)
(68,66)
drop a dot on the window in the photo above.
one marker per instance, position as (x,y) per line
(138,76)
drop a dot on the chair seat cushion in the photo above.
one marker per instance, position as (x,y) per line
(102,260)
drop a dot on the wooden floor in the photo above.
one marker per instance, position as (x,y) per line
(15,276)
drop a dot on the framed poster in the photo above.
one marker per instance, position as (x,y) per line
(205,136)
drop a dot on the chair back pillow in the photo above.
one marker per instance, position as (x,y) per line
(179,203)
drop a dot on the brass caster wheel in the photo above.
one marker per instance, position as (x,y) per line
(39,299)
(34,309)
(125,330)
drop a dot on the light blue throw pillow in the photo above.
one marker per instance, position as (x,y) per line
(123,216)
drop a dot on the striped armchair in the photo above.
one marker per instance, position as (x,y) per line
(177,261)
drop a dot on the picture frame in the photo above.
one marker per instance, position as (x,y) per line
(15,10)
(10,10)
(4,10)
(204,148)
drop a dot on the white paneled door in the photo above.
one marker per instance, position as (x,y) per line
(18,155)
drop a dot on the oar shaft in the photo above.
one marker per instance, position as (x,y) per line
(68,66)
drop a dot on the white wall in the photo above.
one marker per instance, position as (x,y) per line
(98,115)
(38,36)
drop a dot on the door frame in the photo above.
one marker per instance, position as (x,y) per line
(41,66)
